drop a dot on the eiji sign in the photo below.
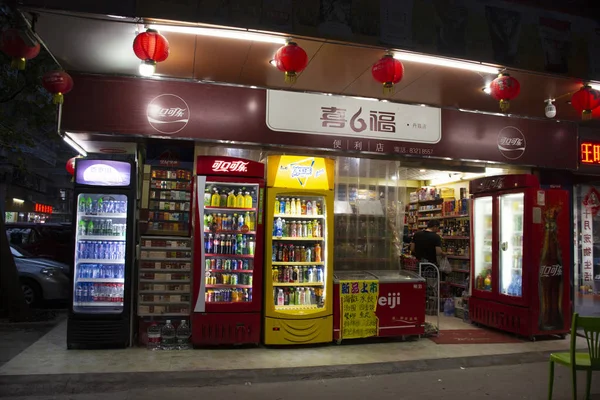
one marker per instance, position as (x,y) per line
(229,166)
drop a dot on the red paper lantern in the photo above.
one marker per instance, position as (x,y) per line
(505,88)
(151,47)
(292,60)
(13,45)
(58,83)
(585,100)
(388,71)
(71,166)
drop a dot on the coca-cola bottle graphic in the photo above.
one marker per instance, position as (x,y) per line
(551,276)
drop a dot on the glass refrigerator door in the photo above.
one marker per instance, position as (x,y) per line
(99,268)
(229,219)
(298,262)
(511,243)
(483,237)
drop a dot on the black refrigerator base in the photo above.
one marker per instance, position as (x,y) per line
(97,334)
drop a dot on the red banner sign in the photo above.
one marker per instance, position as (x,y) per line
(230,166)
(43,208)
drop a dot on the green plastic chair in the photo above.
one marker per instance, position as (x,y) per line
(588,362)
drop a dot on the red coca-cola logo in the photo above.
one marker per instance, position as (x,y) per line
(511,143)
(230,166)
(168,113)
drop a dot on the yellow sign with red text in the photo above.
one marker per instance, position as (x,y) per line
(299,172)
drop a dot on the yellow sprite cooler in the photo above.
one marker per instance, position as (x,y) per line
(299,253)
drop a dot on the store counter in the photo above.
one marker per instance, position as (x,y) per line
(400,302)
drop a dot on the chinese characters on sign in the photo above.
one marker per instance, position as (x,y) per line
(588,209)
(358,302)
(589,153)
(230,166)
(43,208)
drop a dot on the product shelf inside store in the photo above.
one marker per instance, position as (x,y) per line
(164,259)
(214,255)
(102,280)
(456,237)
(223,232)
(98,304)
(99,261)
(299,263)
(162,303)
(171,179)
(298,284)
(165,270)
(169,190)
(167,248)
(227,286)
(248,271)
(103,215)
(163,292)
(163,281)
(164,232)
(288,216)
(228,209)
(102,237)
(358,259)
(299,239)
(169,200)
(429,210)
(297,307)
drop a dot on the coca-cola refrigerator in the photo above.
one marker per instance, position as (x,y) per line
(520,256)
(228,251)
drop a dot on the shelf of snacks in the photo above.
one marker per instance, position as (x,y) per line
(164,276)
(169,201)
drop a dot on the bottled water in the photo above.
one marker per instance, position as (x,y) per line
(183,335)
(169,340)
(154,337)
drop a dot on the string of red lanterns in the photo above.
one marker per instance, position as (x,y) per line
(151,47)
(13,45)
(388,71)
(57,83)
(585,100)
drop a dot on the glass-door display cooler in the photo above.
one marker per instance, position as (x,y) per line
(520,256)
(99,315)
(298,251)
(228,254)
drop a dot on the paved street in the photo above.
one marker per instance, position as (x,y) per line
(524,381)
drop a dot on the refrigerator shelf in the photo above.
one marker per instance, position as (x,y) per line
(170,233)
(298,284)
(163,292)
(165,259)
(430,210)
(296,307)
(458,257)
(288,216)
(164,315)
(103,215)
(162,303)
(165,270)
(219,232)
(99,261)
(101,280)
(167,248)
(226,302)
(163,281)
(226,209)
(169,200)
(169,210)
(170,190)
(229,255)
(227,286)
(98,304)
(456,237)
(249,271)
(460,285)
(101,238)
(296,263)
(170,179)
(299,239)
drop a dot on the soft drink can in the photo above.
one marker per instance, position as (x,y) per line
(249,279)
(207,264)
(219,263)
(245,265)
(227,265)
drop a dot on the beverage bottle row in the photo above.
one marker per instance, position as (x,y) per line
(101,271)
(231,222)
(229,244)
(227,198)
(296,296)
(306,229)
(158,184)
(515,288)
(99,292)
(460,227)
(295,206)
(289,274)
(295,253)
(228,279)
(97,250)
(457,247)
(228,295)
(87,205)
(227,264)
(101,227)
(171,174)
(169,338)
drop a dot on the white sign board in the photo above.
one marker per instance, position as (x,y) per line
(352,117)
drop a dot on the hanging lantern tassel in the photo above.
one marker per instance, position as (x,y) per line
(58,98)
(504,105)
(388,88)
(18,63)
(586,115)
(290,77)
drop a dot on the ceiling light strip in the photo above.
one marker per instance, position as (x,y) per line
(445,62)
(74,145)
(222,33)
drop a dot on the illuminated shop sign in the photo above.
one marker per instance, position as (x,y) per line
(43,208)
(103,172)
(589,153)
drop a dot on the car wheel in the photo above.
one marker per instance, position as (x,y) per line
(31,291)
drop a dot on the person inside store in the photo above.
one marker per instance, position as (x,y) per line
(426,245)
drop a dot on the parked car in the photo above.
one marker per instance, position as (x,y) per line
(41,279)
(53,241)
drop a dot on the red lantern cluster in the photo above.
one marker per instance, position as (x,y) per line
(13,45)
(504,89)
(291,59)
(388,71)
(585,100)
(58,83)
(151,47)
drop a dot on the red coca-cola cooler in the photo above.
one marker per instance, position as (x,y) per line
(400,307)
(228,251)
(520,256)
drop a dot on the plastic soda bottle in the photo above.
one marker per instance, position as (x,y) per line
(82,202)
(239,200)
(88,205)
(215,199)
(207,197)
(223,199)
(277,206)
(309,229)
(293,206)
(247,200)
(288,206)
(280,297)
(298,206)
(90,228)
(317,252)
(303,207)
(231,200)
(309,208)
(315,227)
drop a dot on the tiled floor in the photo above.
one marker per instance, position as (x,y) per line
(50,356)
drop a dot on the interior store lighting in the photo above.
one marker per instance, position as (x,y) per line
(595,85)
(18,201)
(222,33)
(74,145)
(147,68)
(445,62)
